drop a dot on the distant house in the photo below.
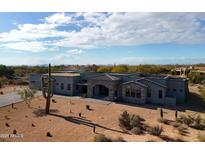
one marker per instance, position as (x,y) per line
(184,71)
(119,87)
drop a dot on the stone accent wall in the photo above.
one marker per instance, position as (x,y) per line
(111,85)
(131,99)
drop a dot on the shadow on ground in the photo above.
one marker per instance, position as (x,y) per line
(84,121)
(41,112)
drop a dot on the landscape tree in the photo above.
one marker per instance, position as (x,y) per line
(104,69)
(6,71)
(120,68)
(27,95)
(195,77)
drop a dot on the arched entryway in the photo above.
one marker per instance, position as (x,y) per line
(100,91)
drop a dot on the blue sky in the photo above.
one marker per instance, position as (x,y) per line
(102,38)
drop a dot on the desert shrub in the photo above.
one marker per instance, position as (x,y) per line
(124,120)
(181,130)
(156,130)
(187,120)
(101,138)
(164,121)
(194,122)
(201,138)
(136,130)
(198,123)
(6,117)
(195,77)
(88,107)
(135,121)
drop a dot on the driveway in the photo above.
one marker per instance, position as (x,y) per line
(13,97)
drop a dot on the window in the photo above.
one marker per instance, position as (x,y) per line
(174,90)
(68,87)
(77,87)
(115,93)
(160,94)
(62,86)
(133,93)
(138,93)
(149,93)
(57,84)
(127,92)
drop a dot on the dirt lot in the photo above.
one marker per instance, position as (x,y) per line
(64,123)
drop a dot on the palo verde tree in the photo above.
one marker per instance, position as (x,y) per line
(27,94)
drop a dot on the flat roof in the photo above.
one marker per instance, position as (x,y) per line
(65,74)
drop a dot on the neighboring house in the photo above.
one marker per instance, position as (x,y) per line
(119,87)
(184,71)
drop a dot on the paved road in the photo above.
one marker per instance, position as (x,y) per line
(12,97)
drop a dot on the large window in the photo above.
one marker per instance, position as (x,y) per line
(138,93)
(127,92)
(62,86)
(68,86)
(149,94)
(133,93)
(160,94)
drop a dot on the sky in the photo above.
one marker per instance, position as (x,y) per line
(102,38)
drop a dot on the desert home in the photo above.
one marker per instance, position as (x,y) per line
(126,87)
(184,71)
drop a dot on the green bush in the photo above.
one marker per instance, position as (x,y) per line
(136,130)
(156,130)
(101,138)
(135,121)
(195,77)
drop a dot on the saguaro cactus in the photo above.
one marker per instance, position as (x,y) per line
(47,89)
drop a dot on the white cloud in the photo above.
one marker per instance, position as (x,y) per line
(26,46)
(109,29)
(58,18)
(75,52)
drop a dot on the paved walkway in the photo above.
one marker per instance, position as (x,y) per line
(12,97)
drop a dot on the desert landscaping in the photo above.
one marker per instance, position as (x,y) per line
(73,119)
